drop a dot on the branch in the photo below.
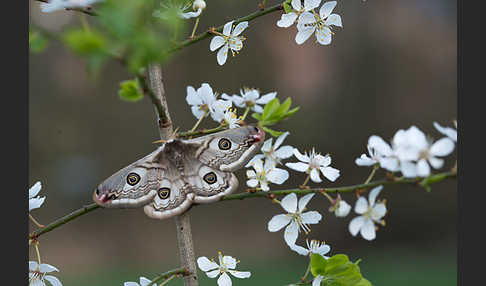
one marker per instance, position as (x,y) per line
(53,225)
(86,10)
(208,33)
(414,181)
(201,132)
(164,276)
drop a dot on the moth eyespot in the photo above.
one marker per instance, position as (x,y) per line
(224,144)
(210,178)
(133,179)
(164,193)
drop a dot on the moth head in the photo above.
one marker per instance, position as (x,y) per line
(124,189)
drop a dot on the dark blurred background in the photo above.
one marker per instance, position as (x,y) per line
(393,65)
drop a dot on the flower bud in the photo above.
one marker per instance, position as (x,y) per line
(198,4)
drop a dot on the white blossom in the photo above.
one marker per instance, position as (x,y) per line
(231,118)
(342,208)
(371,212)
(228,40)
(265,173)
(35,202)
(56,5)
(381,153)
(38,274)
(227,264)
(288,19)
(317,280)
(295,218)
(204,102)
(274,153)
(143,282)
(447,131)
(313,164)
(314,246)
(250,97)
(415,151)
(321,23)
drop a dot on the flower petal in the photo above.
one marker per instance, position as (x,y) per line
(205,264)
(361,205)
(227,28)
(46,268)
(323,249)
(356,224)
(303,35)
(330,173)
(240,274)
(314,175)
(235,44)
(373,194)
(343,209)
(240,28)
(378,144)
(301,157)
(266,99)
(33,265)
(278,176)
(229,261)
(297,4)
(291,233)
(423,168)
(224,280)
(436,162)
(447,131)
(442,147)
(409,169)
(299,166)
(216,43)
(144,281)
(364,161)
(197,112)
(311,4)
(390,163)
(252,183)
(289,203)
(323,35)
(36,203)
(130,283)
(368,230)
(334,19)
(35,189)
(267,145)
(278,222)
(222,55)
(213,273)
(53,280)
(281,138)
(327,8)
(311,217)
(284,152)
(286,20)
(317,281)
(304,201)
(379,211)
(299,249)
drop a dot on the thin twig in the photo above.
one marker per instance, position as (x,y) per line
(164,276)
(208,33)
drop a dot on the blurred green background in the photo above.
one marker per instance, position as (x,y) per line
(392,65)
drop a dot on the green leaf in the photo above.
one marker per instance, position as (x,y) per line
(363,282)
(37,42)
(337,263)
(287,7)
(270,108)
(130,90)
(257,116)
(274,133)
(85,42)
(292,112)
(318,264)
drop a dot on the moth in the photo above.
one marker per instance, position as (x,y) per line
(182,172)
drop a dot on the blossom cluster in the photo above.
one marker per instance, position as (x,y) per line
(410,152)
(205,102)
(310,22)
